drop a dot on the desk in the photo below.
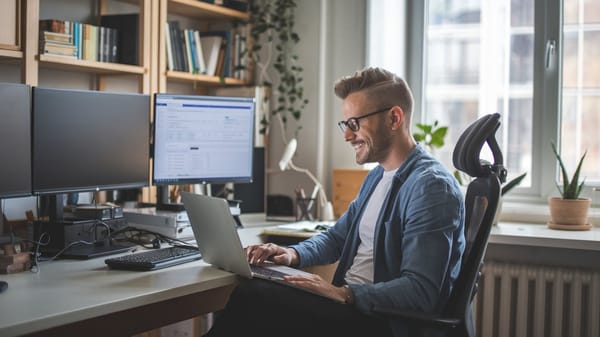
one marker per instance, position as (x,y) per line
(85,298)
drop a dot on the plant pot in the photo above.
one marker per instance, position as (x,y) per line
(569,211)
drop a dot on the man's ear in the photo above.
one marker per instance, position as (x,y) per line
(397,117)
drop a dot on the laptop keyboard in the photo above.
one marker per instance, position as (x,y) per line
(155,259)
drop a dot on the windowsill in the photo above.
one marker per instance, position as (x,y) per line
(539,235)
(525,224)
(535,213)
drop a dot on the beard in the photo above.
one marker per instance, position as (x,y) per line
(374,149)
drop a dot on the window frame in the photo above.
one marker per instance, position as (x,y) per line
(547,92)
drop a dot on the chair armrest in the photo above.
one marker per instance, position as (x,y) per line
(418,318)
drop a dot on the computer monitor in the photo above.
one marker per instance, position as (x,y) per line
(202,139)
(15,140)
(89,140)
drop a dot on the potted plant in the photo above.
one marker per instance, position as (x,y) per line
(569,211)
(431,135)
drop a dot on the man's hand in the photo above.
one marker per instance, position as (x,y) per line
(257,254)
(318,285)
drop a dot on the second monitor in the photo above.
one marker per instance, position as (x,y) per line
(202,139)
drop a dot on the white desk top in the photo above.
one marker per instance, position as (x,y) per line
(67,291)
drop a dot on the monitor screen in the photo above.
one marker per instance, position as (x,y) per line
(202,139)
(15,140)
(89,140)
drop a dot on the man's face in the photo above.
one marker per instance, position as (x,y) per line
(372,141)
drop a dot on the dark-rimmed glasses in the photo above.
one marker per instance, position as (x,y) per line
(353,124)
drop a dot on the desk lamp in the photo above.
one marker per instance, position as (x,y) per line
(286,162)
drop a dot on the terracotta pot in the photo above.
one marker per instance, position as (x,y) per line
(569,211)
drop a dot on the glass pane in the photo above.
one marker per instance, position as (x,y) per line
(518,151)
(591,126)
(453,61)
(591,13)
(580,120)
(521,59)
(470,72)
(521,12)
(456,115)
(570,60)
(591,60)
(571,11)
(568,137)
(454,12)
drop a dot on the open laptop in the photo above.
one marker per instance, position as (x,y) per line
(218,240)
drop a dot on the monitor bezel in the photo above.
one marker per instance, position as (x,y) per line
(200,180)
(37,191)
(27,190)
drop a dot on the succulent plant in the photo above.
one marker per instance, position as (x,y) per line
(571,188)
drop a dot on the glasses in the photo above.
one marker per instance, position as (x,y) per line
(353,124)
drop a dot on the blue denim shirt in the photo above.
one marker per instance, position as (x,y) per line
(418,241)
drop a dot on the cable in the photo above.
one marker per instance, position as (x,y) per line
(145,238)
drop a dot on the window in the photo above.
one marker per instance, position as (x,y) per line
(537,62)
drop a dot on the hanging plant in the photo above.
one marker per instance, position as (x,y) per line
(275,39)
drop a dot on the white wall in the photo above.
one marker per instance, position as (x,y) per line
(332,45)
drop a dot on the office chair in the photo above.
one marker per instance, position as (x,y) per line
(481,204)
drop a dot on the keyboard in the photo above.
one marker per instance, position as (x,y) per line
(155,259)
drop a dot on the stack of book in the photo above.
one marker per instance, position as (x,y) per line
(78,40)
(212,53)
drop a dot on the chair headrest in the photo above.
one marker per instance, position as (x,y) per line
(468,149)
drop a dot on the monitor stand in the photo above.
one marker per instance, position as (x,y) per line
(98,249)
(163,203)
(170,207)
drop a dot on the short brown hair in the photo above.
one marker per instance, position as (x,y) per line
(381,85)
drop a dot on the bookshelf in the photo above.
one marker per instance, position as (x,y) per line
(19,45)
(205,16)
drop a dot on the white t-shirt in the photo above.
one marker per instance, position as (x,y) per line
(361,270)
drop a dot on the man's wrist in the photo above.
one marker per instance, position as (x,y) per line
(348,294)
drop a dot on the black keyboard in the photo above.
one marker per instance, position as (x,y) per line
(155,259)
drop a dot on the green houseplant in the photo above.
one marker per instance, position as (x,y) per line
(275,38)
(569,211)
(431,135)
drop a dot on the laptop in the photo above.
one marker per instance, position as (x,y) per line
(216,234)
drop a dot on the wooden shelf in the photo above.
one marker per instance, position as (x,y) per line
(11,54)
(202,79)
(203,10)
(65,63)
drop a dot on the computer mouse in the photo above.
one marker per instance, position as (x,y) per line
(3,286)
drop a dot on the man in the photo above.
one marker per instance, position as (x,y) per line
(399,244)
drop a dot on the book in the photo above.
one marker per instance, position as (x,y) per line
(188,51)
(211,47)
(57,37)
(127,36)
(52,25)
(169,47)
(200,54)
(178,47)
(226,46)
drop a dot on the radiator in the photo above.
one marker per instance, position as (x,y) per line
(516,300)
